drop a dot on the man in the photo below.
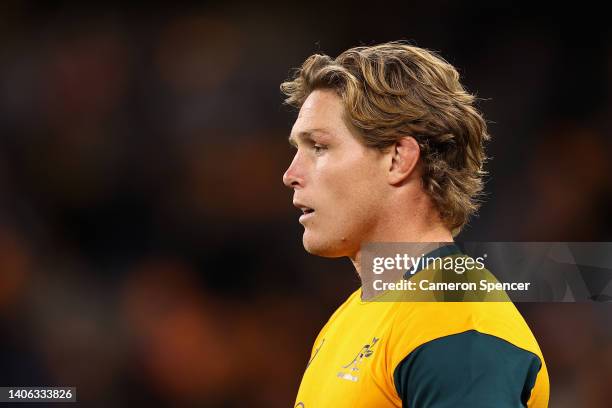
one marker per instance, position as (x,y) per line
(390,149)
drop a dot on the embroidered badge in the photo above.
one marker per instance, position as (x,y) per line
(353,367)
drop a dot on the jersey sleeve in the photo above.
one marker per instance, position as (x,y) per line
(468,369)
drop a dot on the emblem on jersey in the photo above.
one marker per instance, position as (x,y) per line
(352,373)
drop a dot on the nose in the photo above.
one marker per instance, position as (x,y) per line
(292,177)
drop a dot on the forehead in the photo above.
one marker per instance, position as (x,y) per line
(322,109)
(323,113)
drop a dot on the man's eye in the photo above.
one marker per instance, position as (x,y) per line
(318,148)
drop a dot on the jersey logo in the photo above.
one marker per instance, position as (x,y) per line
(353,367)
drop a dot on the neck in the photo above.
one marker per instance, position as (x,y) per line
(430,229)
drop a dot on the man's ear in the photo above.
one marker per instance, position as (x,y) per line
(405,155)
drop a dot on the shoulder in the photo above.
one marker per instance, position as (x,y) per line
(485,348)
(417,323)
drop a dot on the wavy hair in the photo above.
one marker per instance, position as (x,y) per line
(393,90)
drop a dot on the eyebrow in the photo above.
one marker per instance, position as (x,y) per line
(305,134)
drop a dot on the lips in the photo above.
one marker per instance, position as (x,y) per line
(307,212)
(306,216)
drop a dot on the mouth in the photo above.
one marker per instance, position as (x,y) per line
(307,212)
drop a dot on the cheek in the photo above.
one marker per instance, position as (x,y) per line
(352,189)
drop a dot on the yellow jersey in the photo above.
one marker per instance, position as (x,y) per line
(424,354)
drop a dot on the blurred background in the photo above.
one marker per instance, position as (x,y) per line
(149,253)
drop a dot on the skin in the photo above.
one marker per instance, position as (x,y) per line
(358,193)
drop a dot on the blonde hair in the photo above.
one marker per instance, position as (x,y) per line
(394,90)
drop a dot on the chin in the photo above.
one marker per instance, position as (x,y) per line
(327,248)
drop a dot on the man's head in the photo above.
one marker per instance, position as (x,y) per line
(374,122)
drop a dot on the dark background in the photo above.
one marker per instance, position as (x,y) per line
(149,253)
